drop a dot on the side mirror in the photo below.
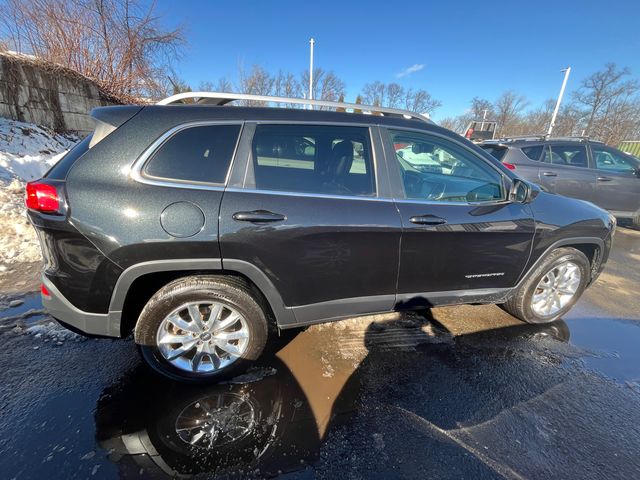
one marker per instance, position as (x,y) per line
(520,191)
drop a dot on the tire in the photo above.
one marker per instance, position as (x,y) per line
(172,300)
(520,304)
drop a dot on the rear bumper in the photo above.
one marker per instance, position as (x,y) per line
(90,324)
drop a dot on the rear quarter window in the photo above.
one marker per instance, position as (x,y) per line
(200,154)
(495,150)
(533,152)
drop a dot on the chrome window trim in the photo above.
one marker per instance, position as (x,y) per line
(372,149)
(137,169)
(504,177)
(306,194)
(351,197)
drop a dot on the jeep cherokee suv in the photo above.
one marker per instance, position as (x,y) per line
(199,226)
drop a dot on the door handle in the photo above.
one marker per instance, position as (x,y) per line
(549,174)
(604,179)
(258,216)
(427,220)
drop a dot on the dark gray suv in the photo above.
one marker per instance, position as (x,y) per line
(576,167)
(202,228)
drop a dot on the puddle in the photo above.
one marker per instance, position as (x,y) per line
(612,346)
(24,315)
(16,305)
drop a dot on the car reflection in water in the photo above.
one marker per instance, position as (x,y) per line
(167,428)
(157,428)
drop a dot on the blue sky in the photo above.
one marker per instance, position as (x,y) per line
(467,48)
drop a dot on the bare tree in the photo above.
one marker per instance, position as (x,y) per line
(537,120)
(421,101)
(601,90)
(395,96)
(326,85)
(221,85)
(481,105)
(118,43)
(456,124)
(375,94)
(508,108)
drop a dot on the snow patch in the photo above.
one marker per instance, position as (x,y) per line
(54,332)
(27,151)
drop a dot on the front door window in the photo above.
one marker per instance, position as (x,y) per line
(438,170)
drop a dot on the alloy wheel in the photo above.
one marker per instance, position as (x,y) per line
(556,289)
(202,337)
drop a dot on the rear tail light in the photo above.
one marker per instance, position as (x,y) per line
(42,197)
(44,291)
(469,133)
(510,166)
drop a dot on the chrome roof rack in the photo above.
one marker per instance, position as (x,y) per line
(540,137)
(223,98)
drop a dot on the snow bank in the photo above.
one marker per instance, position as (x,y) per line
(27,151)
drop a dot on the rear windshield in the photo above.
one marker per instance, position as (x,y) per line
(60,170)
(495,150)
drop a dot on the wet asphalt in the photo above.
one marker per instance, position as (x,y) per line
(456,392)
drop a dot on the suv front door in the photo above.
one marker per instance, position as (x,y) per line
(304,206)
(618,185)
(459,232)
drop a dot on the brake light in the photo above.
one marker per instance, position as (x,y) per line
(469,133)
(42,197)
(44,291)
(510,166)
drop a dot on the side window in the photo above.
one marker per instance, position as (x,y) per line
(569,155)
(608,159)
(330,160)
(532,152)
(195,154)
(436,169)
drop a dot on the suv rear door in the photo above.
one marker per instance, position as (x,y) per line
(566,170)
(306,205)
(618,185)
(459,232)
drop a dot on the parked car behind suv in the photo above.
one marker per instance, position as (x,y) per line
(576,167)
(200,228)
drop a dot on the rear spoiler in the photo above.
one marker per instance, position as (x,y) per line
(107,119)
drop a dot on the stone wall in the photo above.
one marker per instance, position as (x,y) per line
(49,95)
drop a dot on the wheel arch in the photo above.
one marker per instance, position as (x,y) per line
(592,247)
(139,282)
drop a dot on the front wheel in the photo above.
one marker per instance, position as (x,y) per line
(552,288)
(201,329)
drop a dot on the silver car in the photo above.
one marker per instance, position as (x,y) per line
(576,167)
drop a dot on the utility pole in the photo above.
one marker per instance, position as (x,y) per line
(566,71)
(311,43)
(484,117)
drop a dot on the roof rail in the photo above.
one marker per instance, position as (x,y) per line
(222,98)
(574,138)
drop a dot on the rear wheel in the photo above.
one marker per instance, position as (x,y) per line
(552,288)
(200,329)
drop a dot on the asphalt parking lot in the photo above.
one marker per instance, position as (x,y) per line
(457,392)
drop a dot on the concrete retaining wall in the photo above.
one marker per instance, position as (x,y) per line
(48,95)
